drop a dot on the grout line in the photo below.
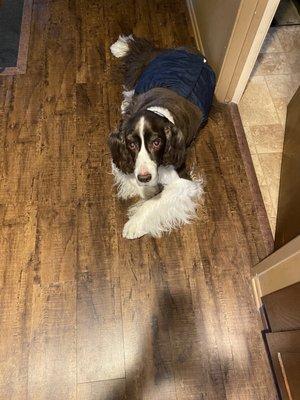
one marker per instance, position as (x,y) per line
(264,75)
(101,380)
(268,186)
(280,122)
(274,211)
(271,97)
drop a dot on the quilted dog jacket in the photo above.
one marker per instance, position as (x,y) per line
(185,73)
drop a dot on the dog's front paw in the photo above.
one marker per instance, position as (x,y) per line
(133,229)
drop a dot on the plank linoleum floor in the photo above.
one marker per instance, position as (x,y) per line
(85,314)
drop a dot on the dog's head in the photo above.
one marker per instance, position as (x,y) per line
(143,143)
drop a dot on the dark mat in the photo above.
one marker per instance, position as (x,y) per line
(11,12)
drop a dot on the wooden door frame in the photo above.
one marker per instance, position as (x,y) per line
(277,271)
(252,22)
(258,28)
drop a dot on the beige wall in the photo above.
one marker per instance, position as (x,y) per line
(230,33)
(215,20)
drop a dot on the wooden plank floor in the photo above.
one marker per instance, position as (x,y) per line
(85,314)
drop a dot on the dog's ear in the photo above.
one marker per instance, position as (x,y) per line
(175,147)
(121,156)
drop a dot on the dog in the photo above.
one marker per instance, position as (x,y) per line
(166,100)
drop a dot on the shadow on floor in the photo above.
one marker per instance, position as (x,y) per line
(173,335)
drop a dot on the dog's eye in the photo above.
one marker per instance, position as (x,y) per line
(157,143)
(132,145)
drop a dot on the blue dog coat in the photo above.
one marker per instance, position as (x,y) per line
(185,73)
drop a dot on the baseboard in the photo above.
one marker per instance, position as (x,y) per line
(252,179)
(195,26)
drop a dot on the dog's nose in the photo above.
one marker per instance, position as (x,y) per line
(144,178)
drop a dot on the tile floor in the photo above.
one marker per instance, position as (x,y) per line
(274,80)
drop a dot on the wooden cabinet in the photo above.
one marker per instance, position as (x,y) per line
(276,279)
(284,348)
(288,213)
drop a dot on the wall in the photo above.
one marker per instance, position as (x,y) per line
(215,22)
(230,34)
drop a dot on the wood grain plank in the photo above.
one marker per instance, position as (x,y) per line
(92,42)
(52,361)
(194,360)
(17,244)
(56,178)
(56,181)
(282,343)
(52,351)
(100,353)
(56,244)
(290,367)
(39,146)
(52,54)
(92,153)
(108,390)
(99,321)
(148,351)
(19,142)
(282,308)
(242,204)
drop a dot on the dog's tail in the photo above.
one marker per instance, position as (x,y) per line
(135,54)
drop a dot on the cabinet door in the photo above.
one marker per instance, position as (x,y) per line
(284,350)
(288,213)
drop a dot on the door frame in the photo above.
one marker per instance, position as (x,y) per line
(250,27)
(255,37)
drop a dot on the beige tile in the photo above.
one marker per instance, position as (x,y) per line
(281,108)
(243,118)
(274,193)
(293,59)
(268,138)
(267,201)
(296,80)
(289,37)
(274,80)
(281,86)
(271,43)
(258,170)
(273,64)
(282,103)
(272,221)
(256,106)
(249,138)
(271,164)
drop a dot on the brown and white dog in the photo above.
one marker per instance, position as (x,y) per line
(156,128)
